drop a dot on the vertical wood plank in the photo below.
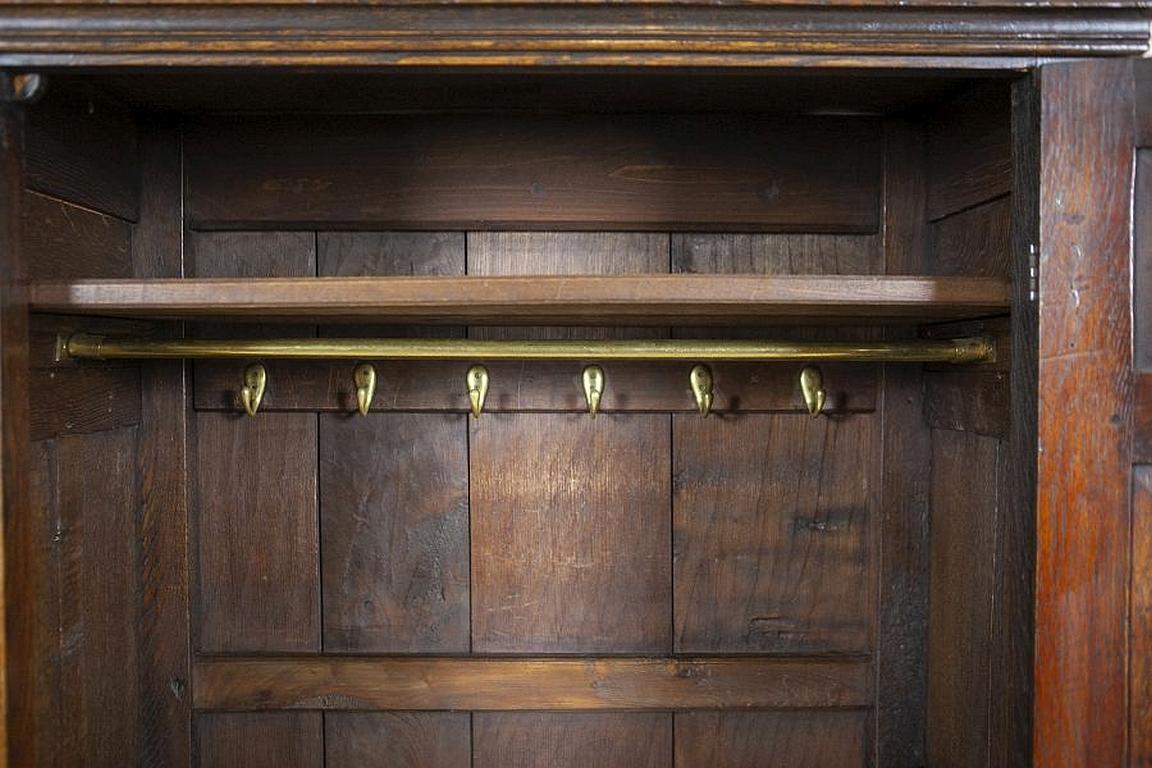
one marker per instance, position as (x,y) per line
(571,740)
(163,525)
(570,549)
(800,739)
(964,520)
(1085,371)
(398,740)
(258,533)
(394,490)
(772,528)
(263,740)
(23,576)
(905,198)
(1141,653)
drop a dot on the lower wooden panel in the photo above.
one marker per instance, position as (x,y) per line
(454,683)
(572,740)
(1140,672)
(397,740)
(803,739)
(261,740)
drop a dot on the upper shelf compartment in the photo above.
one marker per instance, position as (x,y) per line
(681,299)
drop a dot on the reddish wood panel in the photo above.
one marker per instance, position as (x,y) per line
(776,254)
(571,740)
(438,172)
(772,527)
(570,539)
(970,149)
(258,740)
(82,148)
(965,469)
(543,386)
(1083,516)
(800,739)
(1140,672)
(90,686)
(360,683)
(1142,258)
(65,242)
(974,242)
(257,533)
(398,740)
(394,533)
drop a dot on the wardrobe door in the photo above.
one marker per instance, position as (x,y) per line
(1093,602)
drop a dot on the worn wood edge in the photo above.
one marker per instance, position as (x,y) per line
(496,684)
(535,34)
(511,299)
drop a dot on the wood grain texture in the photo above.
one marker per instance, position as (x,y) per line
(163,466)
(64,241)
(82,149)
(398,740)
(776,254)
(1140,672)
(634,172)
(772,526)
(89,486)
(80,400)
(974,242)
(1142,260)
(567,253)
(965,471)
(1083,518)
(260,740)
(248,255)
(394,533)
(258,533)
(570,740)
(570,541)
(534,387)
(801,739)
(905,196)
(970,150)
(587,300)
(968,401)
(944,35)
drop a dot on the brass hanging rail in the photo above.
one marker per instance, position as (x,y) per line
(87,346)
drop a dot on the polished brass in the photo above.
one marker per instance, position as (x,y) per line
(364,377)
(701,381)
(593,378)
(477,388)
(252,393)
(812,385)
(968,350)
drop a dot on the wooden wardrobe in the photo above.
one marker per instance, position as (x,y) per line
(462,385)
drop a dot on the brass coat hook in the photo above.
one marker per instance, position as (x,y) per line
(252,393)
(701,380)
(593,378)
(477,388)
(812,385)
(364,377)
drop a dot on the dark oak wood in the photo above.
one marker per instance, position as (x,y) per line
(587,299)
(398,740)
(63,241)
(967,401)
(1085,370)
(394,533)
(974,242)
(538,34)
(260,740)
(590,683)
(970,150)
(634,172)
(258,533)
(570,540)
(772,524)
(570,740)
(775,254)
(84,399)
(772,739)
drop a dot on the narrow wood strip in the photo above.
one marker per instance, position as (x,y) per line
(427,683)
(596,300)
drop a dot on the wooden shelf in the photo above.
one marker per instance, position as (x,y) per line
(579,300)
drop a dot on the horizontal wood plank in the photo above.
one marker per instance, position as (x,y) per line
(495,684)
(537,300)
